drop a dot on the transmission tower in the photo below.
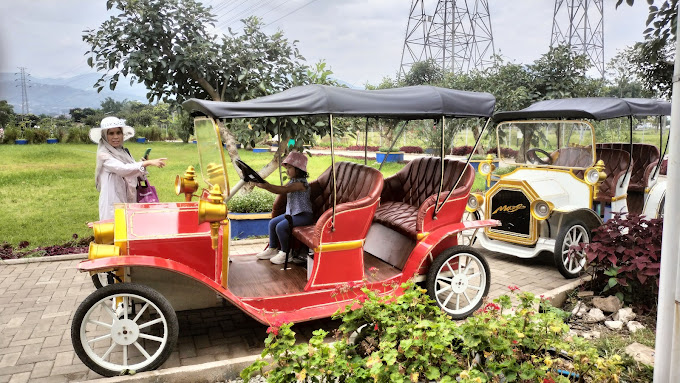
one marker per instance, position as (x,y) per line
(24,93)
(579,23)
(456,36)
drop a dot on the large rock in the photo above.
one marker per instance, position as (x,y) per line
(641,353)
(594,316)
(579,310)
(614,324)
(634,326)
(624,315)
(610,304)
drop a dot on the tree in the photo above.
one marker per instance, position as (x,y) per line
(624,81)
(424,73)
(652,59)
(167,45)
(561,73)
(6,113)
(111,106)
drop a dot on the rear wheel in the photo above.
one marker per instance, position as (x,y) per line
(468,237)
(124,328)
(458,281)
(571,263)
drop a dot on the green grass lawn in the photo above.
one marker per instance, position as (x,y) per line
(48,194)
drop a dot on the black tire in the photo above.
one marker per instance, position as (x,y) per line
(459,285)
(469,237)
(100,280)
(571,265)
(116,326)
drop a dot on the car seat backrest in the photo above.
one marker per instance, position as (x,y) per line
(644,155)
(354,182)
(616,163)
(420,178)
(573,157)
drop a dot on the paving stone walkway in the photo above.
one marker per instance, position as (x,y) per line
(37,302)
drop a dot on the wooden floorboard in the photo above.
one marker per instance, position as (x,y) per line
(250,277)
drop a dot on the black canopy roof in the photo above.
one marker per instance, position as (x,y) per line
(415,102)
(595,108)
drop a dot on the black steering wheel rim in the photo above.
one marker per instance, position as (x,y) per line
(534,158)
(248,174)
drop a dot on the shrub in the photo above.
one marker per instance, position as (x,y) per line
(361,148)
(461,150)
(411,149)
(39,136)
(257,201)
(78,135)
(625,257)
(505,152)
(409,339)
(11,134)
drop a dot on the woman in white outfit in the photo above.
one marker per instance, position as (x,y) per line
(116,173)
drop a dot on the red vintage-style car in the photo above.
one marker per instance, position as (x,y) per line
(165,257)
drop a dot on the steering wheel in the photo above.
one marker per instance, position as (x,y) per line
(248,174)
(533,157)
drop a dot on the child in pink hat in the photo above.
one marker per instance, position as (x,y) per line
(298,206)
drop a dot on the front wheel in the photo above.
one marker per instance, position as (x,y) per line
(124,328)
(458,281)
(571,263)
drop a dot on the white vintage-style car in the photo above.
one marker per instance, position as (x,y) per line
(564,184)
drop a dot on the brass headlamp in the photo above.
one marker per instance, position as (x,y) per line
(186,184)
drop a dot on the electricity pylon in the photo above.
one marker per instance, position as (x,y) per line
(580,24)
(24,93)
(456,36)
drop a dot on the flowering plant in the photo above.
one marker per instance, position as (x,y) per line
(409,339)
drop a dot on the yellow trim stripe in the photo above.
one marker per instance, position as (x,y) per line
(120,237)
(249,216)
(338,246)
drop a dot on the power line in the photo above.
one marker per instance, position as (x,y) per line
(295,10)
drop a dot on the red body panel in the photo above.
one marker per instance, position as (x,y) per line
(167,236)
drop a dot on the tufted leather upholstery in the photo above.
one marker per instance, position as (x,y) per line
(615,165)
(645,157)
(359,187)
(409,194)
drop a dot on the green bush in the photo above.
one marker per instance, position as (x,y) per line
(257,201)
(409,339)
(39,136)
(11,134)
(78,135)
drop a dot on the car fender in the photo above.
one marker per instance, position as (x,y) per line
(654,197)
(566,214)
(430,241)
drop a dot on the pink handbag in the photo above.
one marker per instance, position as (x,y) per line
(145,192)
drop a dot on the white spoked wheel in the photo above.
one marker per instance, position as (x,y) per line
(124,328)
(469,236)
(571,263)
(458,281)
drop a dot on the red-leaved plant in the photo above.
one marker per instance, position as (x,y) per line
(625,257)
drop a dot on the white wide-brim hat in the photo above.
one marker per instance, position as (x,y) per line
(108,123)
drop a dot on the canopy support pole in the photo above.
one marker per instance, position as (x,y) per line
(667,350)
(330,123)
(366,143)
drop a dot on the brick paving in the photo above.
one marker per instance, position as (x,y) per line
(37,302)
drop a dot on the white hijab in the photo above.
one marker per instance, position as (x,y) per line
(104,152)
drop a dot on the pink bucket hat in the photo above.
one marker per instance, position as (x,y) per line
(296,159)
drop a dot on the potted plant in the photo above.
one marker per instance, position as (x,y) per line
(393,156)
(52,139)
(249,213)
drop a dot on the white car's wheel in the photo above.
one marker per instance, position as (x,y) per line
(468,237)
(571,263)
(124,328)
(458,281)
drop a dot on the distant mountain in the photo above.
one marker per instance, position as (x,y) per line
(54,96)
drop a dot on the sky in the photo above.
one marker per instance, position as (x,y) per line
(361,40)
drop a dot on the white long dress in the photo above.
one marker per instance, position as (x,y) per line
(113,185)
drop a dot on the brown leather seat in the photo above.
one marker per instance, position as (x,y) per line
(409,196)
(615,166)
(358,191)
(645,158)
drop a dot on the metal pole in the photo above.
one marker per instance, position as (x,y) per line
(667,350)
